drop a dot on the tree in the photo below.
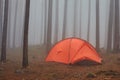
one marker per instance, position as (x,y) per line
(25,40)
(45,22)
(109,36)
(4,34)
(89,14)
(74,27)
(97,26)
(80,16)
(15,20)
(49,29)
(65,19)
(116,28)
(56,20)
(1,10)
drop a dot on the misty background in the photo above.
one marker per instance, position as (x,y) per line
(80,14)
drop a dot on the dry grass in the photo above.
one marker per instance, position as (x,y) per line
(40,70)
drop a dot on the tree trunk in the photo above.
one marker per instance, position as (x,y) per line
(15,20)
(109,39)
(45,22)
(1,20)
(49,29)
(25,40)
(97,26)
(80,17)
(56,21)
(4,35)
(116,28)
(74,27)
(89,14)
(65,19)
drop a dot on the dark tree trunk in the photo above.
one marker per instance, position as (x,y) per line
(49,29)
(97,26)
(109,39)
(74,27)
(56,21)
(64,20)
(4,35)
(25,40)
(1,11)
(89,14)
(116,28)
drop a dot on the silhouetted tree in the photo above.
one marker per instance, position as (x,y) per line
(116,28)
(1,11)
(74,26)
(80,17)
(45,22)
(89,14)
(25,40)
(109,36)
(4,34)
(97,26)
(56,20)
(65,19)
(15,20)
(49,28)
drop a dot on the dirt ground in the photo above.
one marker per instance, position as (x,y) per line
(40,70)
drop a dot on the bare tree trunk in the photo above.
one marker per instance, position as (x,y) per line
(56,20)
(74,27)
(15,20)
(42,22)
(109,39)
(116,28)
(49,29)
(97,26)
(80,16)
(45,22)
(89,14)
(65,19)
(25,40)
(4,35)
(1,13)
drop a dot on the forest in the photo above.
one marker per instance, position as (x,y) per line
(31,29)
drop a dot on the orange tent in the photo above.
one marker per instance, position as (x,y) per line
(73,50)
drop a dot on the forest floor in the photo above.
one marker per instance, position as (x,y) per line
(40,70)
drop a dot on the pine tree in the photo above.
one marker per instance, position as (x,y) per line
(65,19)
(25,40)
(56,20)
(49,28)
(4,34)
(109,37)
(116,28)
(89,14)
(97,26)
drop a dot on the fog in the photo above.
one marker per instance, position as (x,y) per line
(37,21)
(30,28)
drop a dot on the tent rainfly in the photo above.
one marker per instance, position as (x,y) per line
(73,50)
